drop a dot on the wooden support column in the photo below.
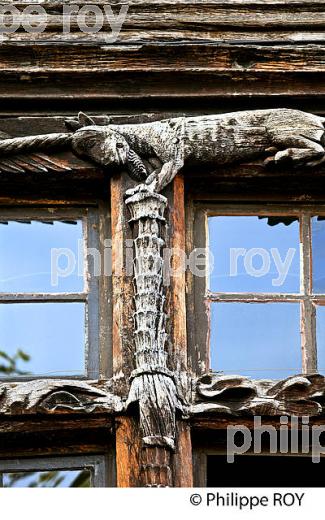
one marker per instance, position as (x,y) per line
(183,472)
(139,464)
(128,440)
(128,452)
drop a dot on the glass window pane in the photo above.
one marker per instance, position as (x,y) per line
(260,340)
(318,241)
(42,339)
(254,254)
(320,337)
(41,257)
(265,470)
(47,479)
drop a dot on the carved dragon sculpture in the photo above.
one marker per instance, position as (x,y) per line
(153,153)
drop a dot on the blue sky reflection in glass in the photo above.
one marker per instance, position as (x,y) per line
(28,257)
(258,340)
(51,334)
(250,255)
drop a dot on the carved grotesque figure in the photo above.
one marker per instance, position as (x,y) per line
(101,144)
(156,151)
(108,147)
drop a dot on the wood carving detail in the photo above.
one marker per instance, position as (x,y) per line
(237,396)
(57,396)
(155,152)
(152,385)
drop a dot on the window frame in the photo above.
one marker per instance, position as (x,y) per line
(99,466)
(201,454)
(200,297)
(95,294)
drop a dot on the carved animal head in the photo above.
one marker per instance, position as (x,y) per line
(105,146)
(101,144)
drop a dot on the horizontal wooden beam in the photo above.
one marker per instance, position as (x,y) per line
(180,14)
(42,297)
(165,57)
(129,87)
(171,50)
(30,424)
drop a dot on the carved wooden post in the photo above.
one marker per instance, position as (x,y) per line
(152,385)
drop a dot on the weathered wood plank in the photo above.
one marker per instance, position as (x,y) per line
(206,14)
(128,452)
(269,53)
(122,244)
(147,87)
(177,276)
(57,4)
(174,36)
(204,424)
(59,423)
(164,58)
(183,469)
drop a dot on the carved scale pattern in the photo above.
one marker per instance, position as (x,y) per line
(153,385)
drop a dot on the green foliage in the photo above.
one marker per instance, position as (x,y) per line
(9,364)
(46,479)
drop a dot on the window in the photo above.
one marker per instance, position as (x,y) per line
(48,292)
(74,471)
(252,470)
(261,308)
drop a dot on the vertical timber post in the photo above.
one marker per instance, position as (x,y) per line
(128,441)
(182,460)
(154,450)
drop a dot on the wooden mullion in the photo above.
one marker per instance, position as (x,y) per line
(305,240)
(42,297)
(318,299)
(307,308)
(91,287)
(308,337)
(253,297)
